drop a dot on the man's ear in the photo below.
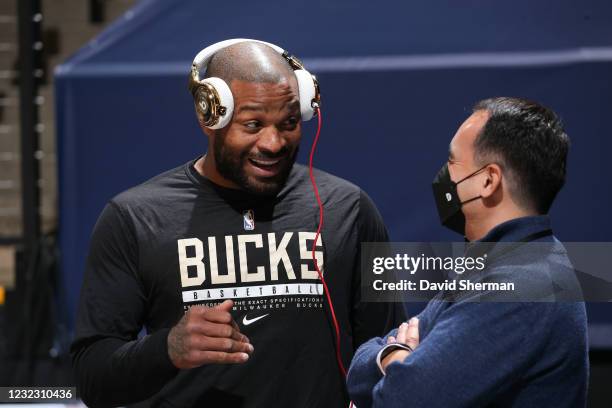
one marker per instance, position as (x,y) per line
(491,181)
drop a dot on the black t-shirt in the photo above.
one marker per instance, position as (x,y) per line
(179,240)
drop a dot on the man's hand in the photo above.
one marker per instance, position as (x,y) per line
(408,333)
(207,336)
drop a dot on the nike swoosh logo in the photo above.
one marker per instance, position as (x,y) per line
(246,321)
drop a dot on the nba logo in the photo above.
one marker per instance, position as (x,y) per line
(249,220)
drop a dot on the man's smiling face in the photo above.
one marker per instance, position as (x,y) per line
(256,151)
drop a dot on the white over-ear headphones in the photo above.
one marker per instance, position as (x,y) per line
(214,100)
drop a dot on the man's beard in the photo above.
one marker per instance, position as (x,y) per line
(231,166)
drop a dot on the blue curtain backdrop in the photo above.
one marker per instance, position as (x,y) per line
(397,79)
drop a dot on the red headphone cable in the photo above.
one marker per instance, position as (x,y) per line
(325,288)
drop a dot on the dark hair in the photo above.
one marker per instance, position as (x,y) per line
(529,142)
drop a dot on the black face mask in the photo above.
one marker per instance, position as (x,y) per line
(447,199)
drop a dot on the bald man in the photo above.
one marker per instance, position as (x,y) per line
(213,260)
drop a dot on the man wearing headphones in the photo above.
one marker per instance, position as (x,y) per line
(215,259)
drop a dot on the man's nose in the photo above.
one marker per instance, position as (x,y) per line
(271,141)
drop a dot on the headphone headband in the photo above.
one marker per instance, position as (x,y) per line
(214,100)
(203,57)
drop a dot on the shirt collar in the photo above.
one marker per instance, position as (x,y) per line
(514,230)
(517,229)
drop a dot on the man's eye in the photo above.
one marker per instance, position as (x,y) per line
(252,125)
(291,122)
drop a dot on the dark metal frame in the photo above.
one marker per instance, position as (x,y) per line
(30,74)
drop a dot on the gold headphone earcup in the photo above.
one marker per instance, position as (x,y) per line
(203,105)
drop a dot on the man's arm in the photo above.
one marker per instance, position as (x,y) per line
(370,320)
(475,351)
(364,373)
(112,366)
